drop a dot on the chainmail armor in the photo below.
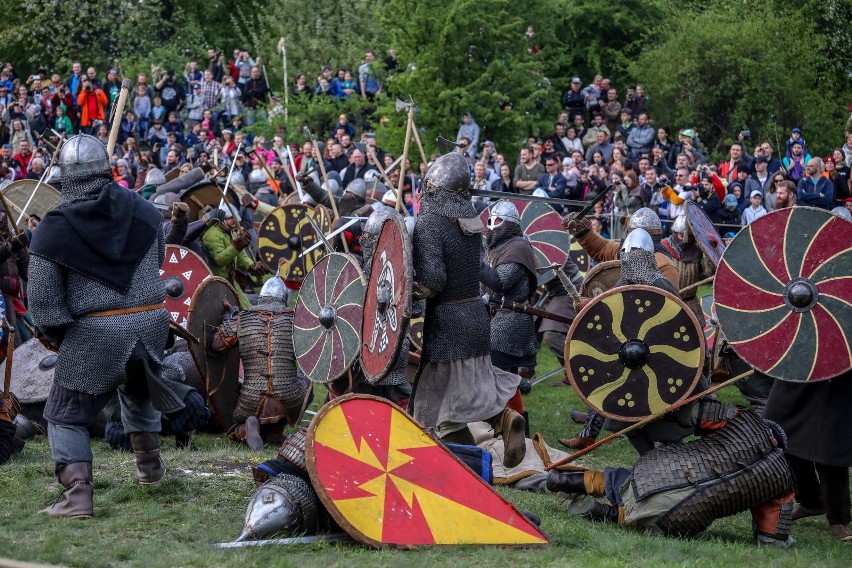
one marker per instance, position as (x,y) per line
(732,454)
(303,496)
(638,266)
(513,333)
(95,350)
(265,335)
(293,448)
(451,331)
(83,186)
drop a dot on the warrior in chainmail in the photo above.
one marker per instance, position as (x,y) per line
(180,374)
(692,265)
(353,197)
(557,301)
(680,489)
(508,272)
(227,255)
(95,294)
(638,266)
(274,393)
(456,381)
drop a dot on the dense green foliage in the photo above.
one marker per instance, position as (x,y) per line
(717,66)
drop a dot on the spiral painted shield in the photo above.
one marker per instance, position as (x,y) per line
(600,278)
(706,235)
(219,371)
(784,294)
(182,272)
(387,306)
(327,322)
(634,351)
(284,234)
(415,333)
(543,227)
(580,257)
(18,193)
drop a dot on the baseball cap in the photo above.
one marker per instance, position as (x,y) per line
(730,200)
(576,80)
(798,130)
(753,193)
(689,132)
(488,143)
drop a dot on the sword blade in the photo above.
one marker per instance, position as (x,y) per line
(348,224)
(547,376)
(333,537)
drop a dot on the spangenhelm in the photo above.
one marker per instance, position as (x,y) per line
(503,210)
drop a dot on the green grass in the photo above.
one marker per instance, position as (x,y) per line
(203,498)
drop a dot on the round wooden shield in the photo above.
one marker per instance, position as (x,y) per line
(705,233)
(204,195)
(579,256)
(634,351)
(327,322)
(784,294)
(415,333)
(17,193)
(389,483)
(284,234)
(543,227)
(220,371)
(182,271)
(600,278)
(387,306)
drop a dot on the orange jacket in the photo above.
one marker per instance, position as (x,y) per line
(91,110)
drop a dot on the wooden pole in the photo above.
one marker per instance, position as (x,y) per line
(697,284)
(116,116)
(375,160)
(331,198)
(645,421)
(419,143)
(409,124)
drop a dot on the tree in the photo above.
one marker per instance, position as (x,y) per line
(720,73)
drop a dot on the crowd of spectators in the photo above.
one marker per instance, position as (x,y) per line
(599,139)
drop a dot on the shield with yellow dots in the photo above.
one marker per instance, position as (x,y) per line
(634,351)
(388,483)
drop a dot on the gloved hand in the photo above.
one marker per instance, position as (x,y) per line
(230,311)
(303,177)
(242,241)
(581,303)
(179,210)
(258,269)
(248,201)
(19,242)
(576,227)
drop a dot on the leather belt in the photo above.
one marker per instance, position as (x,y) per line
(461,301)
(123,311)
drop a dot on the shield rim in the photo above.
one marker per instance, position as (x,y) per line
(343,522)
(326,260)
(203,263)
(216,417)
(790,211)
(693,209)
(405,313)
(593,271)
(699,330)
(33,182)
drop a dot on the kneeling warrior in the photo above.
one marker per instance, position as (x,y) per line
(680,489)
(274,392)
(95,292)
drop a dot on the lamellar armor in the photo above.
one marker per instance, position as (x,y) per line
(273,389)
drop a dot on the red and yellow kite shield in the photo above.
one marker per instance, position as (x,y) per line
(388,483)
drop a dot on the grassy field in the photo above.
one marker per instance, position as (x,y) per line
(203,497)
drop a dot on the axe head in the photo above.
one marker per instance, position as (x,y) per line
(400,104)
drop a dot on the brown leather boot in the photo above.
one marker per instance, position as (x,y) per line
(75,501)
(841,532)
(150,468)
(510,425)
(578,442)
(253,438)
(566,482)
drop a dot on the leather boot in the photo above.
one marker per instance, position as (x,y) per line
(253,438)
(578,416)
(510,425)
(150,468)
(566,482)
(260,476)
(75,501)
(578,442)
(802,512)
(841,532)
(594,510)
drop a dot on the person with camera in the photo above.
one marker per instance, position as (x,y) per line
(171,91)
(92,102)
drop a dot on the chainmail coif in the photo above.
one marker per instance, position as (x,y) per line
(84,187)
(638,266)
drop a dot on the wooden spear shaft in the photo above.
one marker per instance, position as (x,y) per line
(645,421)
(697,284)
(419,143)
(116,116)
(399,204)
